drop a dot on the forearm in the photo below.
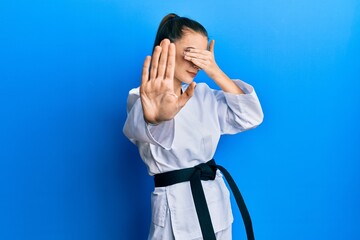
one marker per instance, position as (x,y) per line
(225,83)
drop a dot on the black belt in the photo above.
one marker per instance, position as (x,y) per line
(205,171)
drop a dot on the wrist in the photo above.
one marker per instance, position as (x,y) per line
(226,84)
(218,76)
(151,122)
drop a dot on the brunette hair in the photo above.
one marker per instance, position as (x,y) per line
(172,27)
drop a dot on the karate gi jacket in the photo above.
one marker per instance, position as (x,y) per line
(187,140)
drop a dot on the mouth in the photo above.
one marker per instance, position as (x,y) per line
(192,74)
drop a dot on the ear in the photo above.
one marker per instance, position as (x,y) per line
(212,45)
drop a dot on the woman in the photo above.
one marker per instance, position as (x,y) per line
(177,126)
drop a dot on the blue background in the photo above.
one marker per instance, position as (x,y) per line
(66,66)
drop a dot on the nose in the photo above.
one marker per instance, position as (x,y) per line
(196,67)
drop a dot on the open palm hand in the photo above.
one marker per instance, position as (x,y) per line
(158,98)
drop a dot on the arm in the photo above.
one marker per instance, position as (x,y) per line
(205,60)
(151,110)
(238,112)
(158,98)
(238,105)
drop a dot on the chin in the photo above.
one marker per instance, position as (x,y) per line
(188,80)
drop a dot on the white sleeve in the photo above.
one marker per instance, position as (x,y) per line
(239,112)
(138,131)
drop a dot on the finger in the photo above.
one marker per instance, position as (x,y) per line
(170,66)
(199,63)
(212,45)
(155,62)
(163,57)
(190,56)
(145,70)
(197,53)
(187,94)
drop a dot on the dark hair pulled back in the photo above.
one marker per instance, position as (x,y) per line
(172,27)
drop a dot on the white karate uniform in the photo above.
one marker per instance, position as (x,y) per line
(187,140)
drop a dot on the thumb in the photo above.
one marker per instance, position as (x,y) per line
(189,92)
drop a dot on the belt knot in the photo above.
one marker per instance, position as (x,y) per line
(207,172)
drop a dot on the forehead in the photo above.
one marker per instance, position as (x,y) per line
(192,39)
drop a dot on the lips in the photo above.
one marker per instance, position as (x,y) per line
(192,74)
